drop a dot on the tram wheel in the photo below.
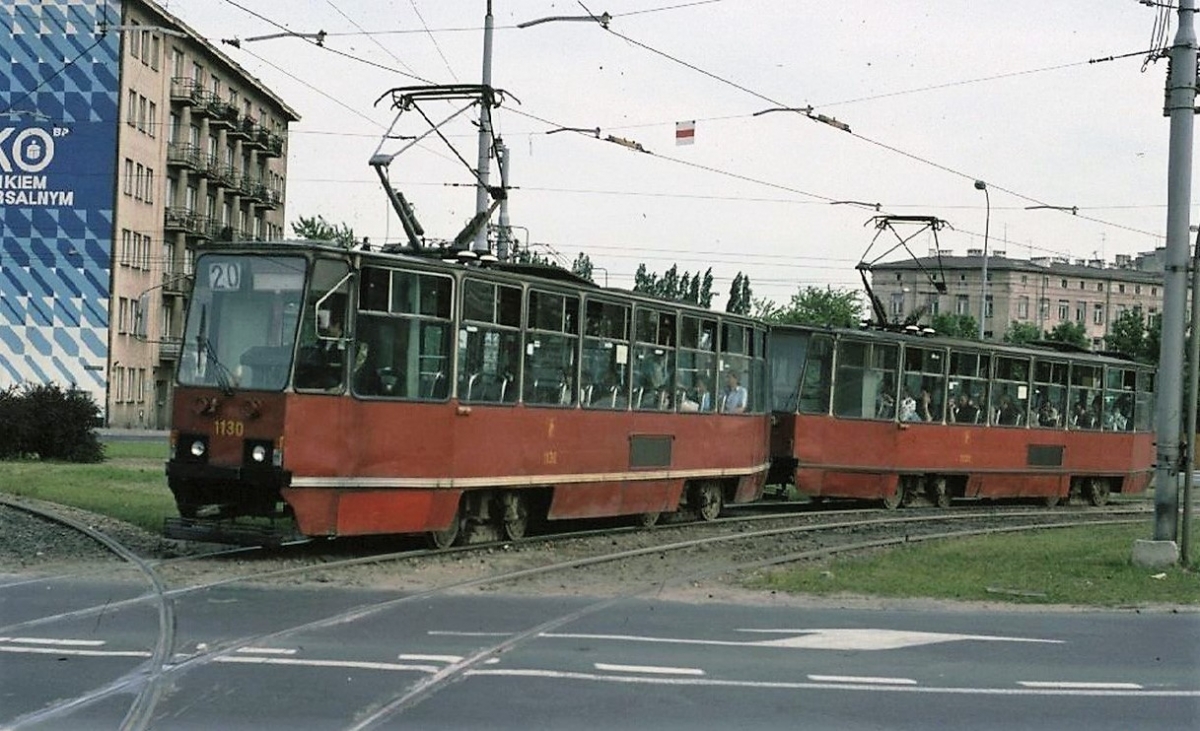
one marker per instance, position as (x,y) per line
(515,522)
(1097,492)
(939,492)
(893,500)
(443,539)
(646,520)
(708,501)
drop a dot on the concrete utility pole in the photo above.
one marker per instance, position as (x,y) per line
(485,135)
(987,224)
(1181,100)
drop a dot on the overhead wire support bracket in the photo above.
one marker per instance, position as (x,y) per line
(811,114)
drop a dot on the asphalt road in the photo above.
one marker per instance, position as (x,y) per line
(638,664)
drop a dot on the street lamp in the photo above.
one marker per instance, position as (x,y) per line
(980,185)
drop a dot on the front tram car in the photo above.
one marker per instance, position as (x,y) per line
(896,417)
(368,392)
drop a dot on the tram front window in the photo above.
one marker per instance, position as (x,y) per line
(241,324)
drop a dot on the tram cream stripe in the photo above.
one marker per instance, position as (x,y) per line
(519,480)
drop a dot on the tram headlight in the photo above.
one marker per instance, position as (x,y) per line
(259,454)
(198,448)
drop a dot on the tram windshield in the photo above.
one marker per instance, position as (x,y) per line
(241,324)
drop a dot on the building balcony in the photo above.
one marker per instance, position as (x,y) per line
(177,284)
(270,143)
(185,91)
(170,347)
(188,156)
(223,175)
(244,129)
(265,197)
(188,222)
(222,114)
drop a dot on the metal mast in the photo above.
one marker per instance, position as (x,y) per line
(485,136)
(1181,98)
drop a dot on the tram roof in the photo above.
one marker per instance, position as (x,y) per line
(1041,349)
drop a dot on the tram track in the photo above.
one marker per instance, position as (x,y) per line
(834,532)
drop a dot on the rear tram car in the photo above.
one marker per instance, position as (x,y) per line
(366,392)
(898,417)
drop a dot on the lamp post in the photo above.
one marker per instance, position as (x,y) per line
(987,222)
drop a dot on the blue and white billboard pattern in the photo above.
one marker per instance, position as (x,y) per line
(58,138)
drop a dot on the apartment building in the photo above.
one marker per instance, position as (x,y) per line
(148,142)
(1042,291)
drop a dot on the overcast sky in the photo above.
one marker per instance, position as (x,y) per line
(937,94)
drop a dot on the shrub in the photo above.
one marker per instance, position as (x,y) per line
(47,422)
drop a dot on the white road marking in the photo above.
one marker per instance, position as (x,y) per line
(864,680)
(874,639)
(650,669)
(432,658)
(50,641)
(1066,685)
(927,690)
(68,651)
(355,664)
(266,651)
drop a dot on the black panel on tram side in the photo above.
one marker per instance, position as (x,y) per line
(1044,455)
(650,450)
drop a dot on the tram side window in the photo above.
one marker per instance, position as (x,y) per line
(1120,387)
(817,377)
(551,342)
(321,358)
(734,394)
(408,345)
(1086,399)
(865,386)
(489,343)
(1010,392)
(654,360)
(923,392)
(605,361)
(1144,412)
(1049,394)
(694,375)
(967,387)
(759,396)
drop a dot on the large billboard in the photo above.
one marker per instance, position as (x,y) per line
(58,138)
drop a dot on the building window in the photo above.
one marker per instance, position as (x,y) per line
(1082,284)
(1137,289)
(176,62)
(1044,309)
(154,48)
(126,238)
(1154,291)
(1098,315)
(122,315)
(1099,286)
(987,307)
(152,120)
(1121,288)
(149,185)
(1064,310)
(962,305)
(935,305)
(1064,284)
(1080,312)
(135,39)
(1023,308)
(141,119)
(128,176)
(139,183)
(131,109)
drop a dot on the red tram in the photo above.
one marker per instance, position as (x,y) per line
(899,417)
(367,392)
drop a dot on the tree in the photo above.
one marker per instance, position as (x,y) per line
(1135,335)
(672,285)
(318,229)
(1021,333)
(1069,332)
(814,306)
(955,326)
(583,267)
(740,296)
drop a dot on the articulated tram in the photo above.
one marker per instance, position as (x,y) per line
(357,392)
(368,392)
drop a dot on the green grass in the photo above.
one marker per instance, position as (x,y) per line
(129,485)
(1088,566)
